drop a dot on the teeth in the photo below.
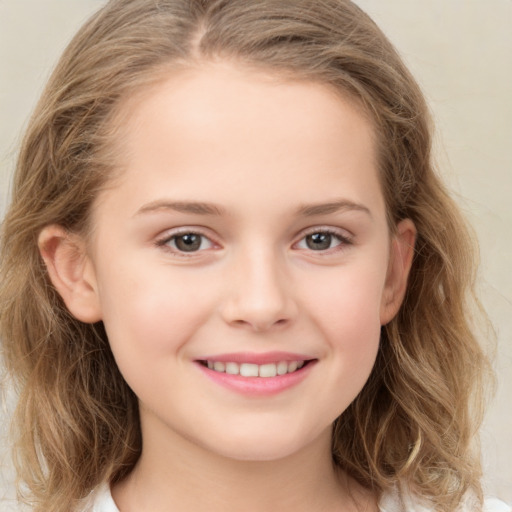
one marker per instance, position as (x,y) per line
(268,370)
(248,370)
(282,368)
(219,367)
(292,366)
(255,370)
(232,368)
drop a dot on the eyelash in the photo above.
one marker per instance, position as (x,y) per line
(343,239)
(165,241)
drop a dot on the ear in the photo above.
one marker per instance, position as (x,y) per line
(71,272)
(400,262)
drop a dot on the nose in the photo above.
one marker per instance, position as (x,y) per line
(260,293)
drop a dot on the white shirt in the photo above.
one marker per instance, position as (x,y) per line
(101,500)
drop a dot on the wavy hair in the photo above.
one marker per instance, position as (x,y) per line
(416,419)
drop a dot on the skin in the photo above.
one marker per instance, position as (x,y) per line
(264,151)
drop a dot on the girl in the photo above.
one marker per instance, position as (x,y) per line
(231,278)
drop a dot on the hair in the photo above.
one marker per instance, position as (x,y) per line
(414,423)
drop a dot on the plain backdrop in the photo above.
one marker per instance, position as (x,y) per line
(461,53)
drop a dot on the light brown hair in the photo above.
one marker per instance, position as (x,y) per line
(416,419)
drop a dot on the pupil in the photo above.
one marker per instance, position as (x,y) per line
(318,241)
(188,242)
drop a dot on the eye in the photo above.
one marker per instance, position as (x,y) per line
(186,242)
(322,240)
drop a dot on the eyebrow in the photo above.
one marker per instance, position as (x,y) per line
(310,210)
(194,207)
(203,208)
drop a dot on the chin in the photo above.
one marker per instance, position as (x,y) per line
(265,446)
(258,454)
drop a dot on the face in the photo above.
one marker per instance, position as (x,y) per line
(242,264)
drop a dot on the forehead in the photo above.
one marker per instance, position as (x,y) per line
(222,124)
(187,93)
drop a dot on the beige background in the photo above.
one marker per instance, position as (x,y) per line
(460,51)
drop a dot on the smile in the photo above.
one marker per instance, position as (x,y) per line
(255,370)
(257,375)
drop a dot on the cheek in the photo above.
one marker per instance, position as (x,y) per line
(346,309)
(348,299)
(148,313)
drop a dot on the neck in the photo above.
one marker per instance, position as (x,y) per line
(174,474)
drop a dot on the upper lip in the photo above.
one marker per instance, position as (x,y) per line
(256,358)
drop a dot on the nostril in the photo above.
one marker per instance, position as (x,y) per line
(258,309)
(262,325)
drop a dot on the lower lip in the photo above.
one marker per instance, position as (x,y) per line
(258,386)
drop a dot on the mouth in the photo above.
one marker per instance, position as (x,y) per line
(256,375)
(267,370)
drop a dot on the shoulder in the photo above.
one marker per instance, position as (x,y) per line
(100,500)
(396,501)
(495,505)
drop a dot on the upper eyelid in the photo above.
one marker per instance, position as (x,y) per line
(345,237)
(206,232)
(162,243)
(169,234)
(184,230)
(341,232)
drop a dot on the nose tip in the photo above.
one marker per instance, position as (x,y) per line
(260,300)
(260,322)
(258,315)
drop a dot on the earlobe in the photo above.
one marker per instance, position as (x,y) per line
(71,272)
(400,262)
